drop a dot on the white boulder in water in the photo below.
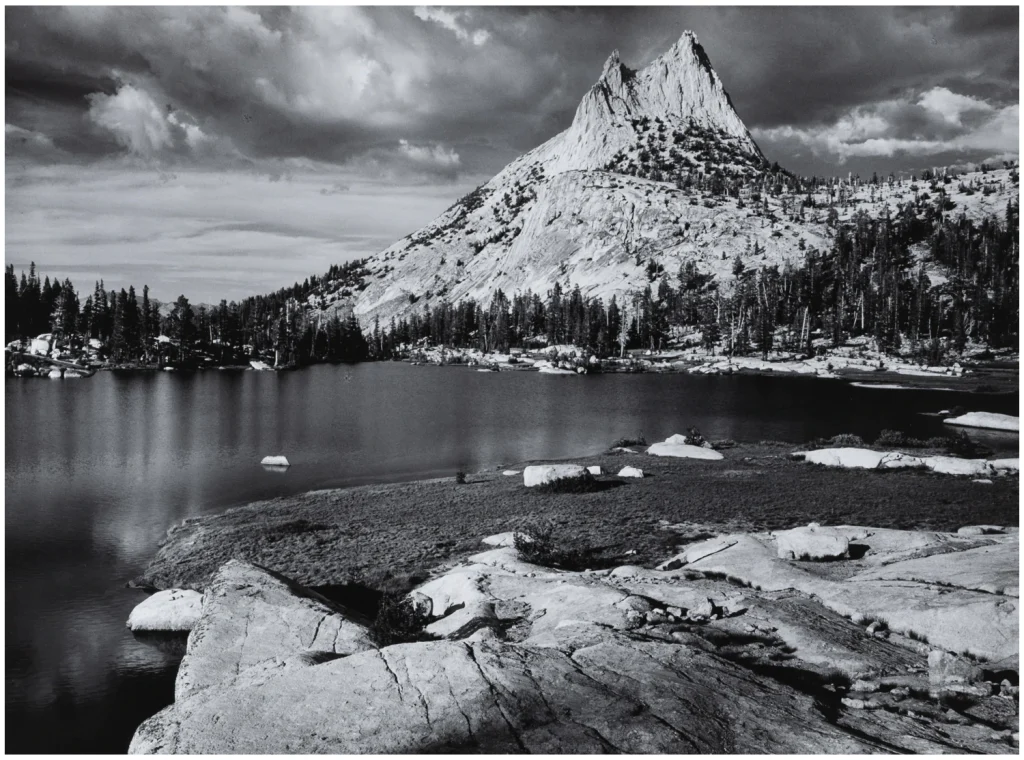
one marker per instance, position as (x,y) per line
(258,365)
(987,420)
(542,474)
(811,543)
(276,461)
(631,472)
(683,450)
(55,374)
(169,610)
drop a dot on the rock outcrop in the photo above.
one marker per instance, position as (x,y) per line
(531,659)
(256,621)
(955,601)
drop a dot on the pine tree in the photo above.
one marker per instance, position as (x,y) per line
(181,322)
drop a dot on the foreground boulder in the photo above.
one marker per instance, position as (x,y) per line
(543,474)
(169,610)
(537,660)
(811,543)
(275,461)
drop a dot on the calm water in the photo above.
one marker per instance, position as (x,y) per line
(98,469)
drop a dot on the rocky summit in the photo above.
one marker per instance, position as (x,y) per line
(657,170)
(730,648)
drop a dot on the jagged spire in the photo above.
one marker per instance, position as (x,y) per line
(611,64)
(614,72)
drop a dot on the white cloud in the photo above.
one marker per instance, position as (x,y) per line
(451,20)
(134,118)
(951,106)
(436,155)
(937,121)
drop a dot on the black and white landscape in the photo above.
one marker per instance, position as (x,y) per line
(541,380)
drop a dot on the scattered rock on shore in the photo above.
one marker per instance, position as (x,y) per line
(869,459)
(542,474)
(987,420)
(673,447)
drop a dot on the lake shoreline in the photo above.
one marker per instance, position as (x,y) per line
(338,538)
(984,377)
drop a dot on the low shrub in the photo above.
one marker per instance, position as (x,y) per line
(625,442)
(399,621)
(845,439)
(538,544)
(694,437)
(898,439)
(959,444)
(460,478)
(579,484)
(892,438)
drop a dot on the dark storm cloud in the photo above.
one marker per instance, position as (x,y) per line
(439,92)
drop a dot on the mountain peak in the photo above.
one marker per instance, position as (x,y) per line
(679,88)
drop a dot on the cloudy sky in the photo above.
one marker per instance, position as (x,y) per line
(219,152)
